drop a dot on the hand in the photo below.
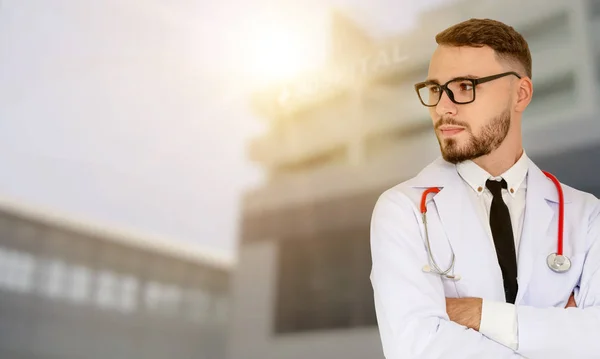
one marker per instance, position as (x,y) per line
(571,303)
(465,311)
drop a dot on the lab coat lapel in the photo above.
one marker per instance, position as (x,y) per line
(538,217)
(449,200)
(462,226)
(475,252)
(450,205)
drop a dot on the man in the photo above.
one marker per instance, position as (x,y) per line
(491,226)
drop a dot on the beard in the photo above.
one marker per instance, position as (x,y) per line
(491,137)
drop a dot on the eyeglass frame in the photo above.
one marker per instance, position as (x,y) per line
(474,82)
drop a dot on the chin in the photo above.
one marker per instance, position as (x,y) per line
(452,144)
(455,152)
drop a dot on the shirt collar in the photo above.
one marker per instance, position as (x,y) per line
(476,176)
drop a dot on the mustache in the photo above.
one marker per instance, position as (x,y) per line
(451,122)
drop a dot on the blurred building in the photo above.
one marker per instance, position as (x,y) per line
(338,138)
(70,290)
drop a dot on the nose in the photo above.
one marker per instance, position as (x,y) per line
(445,106)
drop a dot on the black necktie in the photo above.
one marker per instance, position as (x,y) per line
(503,239)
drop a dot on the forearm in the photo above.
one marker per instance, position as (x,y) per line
(410,304)
(500,322)
(434,337)
(465,311)
(551,332)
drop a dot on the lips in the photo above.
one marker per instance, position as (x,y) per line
(450,131)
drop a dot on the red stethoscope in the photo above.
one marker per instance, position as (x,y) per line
(556,261)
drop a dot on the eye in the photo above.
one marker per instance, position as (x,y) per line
(465,86)
(433,89)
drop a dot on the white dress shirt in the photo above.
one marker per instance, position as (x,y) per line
(498,319)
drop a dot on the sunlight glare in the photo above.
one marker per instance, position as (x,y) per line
(279,52)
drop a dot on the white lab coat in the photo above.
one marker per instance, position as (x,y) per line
(410,303)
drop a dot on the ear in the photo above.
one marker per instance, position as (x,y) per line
(524,94)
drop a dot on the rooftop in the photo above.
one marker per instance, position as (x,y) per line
(127,237)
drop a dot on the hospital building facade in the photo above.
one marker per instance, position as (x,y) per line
(338,138)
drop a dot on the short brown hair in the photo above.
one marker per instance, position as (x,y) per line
(503,39)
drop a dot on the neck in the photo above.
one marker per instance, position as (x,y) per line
(502,158)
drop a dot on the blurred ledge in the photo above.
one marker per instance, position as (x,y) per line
(119,235)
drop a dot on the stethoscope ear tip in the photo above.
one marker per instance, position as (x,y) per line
(427,269)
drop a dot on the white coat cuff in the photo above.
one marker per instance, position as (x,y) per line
(499,323)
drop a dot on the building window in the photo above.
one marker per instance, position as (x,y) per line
(129,291)
(53,277)
(106,290)
(79,281)
(16,270)
(163,299)
(324,283)
(117,291)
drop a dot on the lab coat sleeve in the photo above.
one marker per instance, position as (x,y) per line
(573,332)
(499,322)
(410,304)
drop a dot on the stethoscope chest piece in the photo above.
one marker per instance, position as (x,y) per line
(558,263)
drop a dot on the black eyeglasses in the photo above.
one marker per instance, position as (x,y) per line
(460,90)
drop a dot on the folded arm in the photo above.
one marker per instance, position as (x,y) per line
(411,304)
(573,332)
(570,332)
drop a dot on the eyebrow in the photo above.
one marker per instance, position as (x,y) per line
(458,77)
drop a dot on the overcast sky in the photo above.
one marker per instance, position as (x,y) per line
(133,113)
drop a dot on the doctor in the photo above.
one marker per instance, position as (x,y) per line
(477,280)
